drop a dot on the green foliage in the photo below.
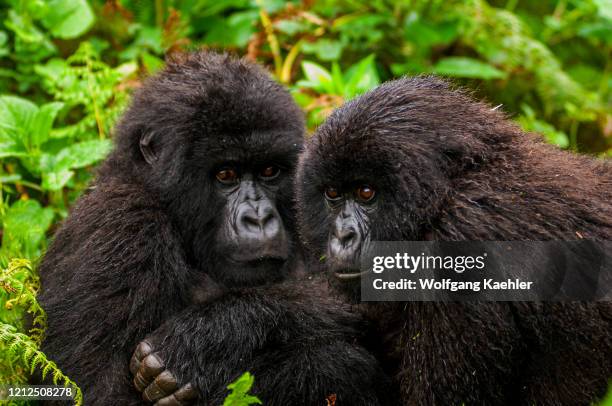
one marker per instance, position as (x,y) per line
(335,86)
(18,348)
(463,67)
(24,224)
(239,392)
(19,352)
(607,401)
(67,68)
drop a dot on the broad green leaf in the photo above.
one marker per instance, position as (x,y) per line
(82,154)
(301,98)
(529,122)
(23,125)
(151,62)
(233,31)
(291,27)
(68,18)
(337,78)
(127,69)
(9,149)
(325,49)
(464,67)
(361,77)
(239,392)
(25,224)
(604,8)
(56,180)
(23,28)
(4,48)
(601,30)
(57,170)
(10,178)
(315,73)
(317,77)
(16,117)
(426,34)
(43,121)
(214,7)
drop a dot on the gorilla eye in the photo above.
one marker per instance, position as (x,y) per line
(227,175)
(332,194)
(365,193)
(269,172)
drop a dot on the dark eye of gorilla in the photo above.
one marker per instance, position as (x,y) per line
(332,194)
(365,193)
(227,176)
(269,172)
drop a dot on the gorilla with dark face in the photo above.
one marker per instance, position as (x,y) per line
(193,205)
(417,160)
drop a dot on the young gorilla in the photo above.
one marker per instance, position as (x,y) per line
(416,160)
(196,197)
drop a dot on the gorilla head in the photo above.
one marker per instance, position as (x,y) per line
(415,159)
(216,140)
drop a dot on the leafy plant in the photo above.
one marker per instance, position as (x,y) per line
(67,68)
(19,352)
(330,89)
(239,392)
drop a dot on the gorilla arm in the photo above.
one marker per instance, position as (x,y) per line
(299,345)
(120,271)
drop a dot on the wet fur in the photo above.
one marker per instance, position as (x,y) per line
(447,167)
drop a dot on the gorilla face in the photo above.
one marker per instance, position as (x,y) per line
(253,236)
(382,168)
(346,199)
(217,140)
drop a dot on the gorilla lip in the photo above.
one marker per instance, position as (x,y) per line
(349,275)
(265,260)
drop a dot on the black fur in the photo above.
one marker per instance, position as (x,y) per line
(299,343)
(446,167)
(143,244)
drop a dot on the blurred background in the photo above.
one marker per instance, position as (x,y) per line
(67,68)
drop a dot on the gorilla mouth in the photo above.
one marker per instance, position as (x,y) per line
(265,261)
(349,274)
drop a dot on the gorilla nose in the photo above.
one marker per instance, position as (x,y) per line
(344,242)
(259,222)
(346,235)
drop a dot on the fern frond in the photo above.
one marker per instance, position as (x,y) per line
(21,285)
(26,351)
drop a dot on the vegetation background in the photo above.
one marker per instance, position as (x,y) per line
(67,68)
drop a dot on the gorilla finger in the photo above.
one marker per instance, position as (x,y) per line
(143,349)
(149,368)
(163,385)
(182,397)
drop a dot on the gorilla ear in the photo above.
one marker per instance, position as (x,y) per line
(146,147)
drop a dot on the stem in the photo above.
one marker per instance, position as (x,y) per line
(289,60)
(97,115)
(159,12)
(28,184)
(603,84)
(272,40)
(574,136)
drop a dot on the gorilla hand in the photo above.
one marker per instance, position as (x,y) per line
(156,383)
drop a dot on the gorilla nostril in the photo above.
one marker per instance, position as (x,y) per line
(251,222)
(344,243)
(264,223)
(271,224)
(346,236)
(266,218)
